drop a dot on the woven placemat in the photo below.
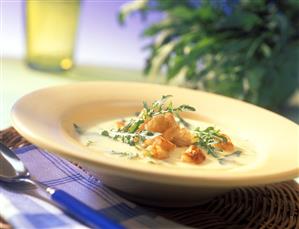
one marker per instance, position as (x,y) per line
(270,206)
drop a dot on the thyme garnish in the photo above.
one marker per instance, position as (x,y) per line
(129,155)
(207,138)
(210,136)
(89,142)
(154,162)
(78,129)
(183,121)
(129,138)
(229,158)
(158,107)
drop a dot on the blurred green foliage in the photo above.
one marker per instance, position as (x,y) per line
(247,49)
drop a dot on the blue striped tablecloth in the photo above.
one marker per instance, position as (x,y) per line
(28,208)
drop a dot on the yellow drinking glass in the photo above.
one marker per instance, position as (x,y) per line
(51,29)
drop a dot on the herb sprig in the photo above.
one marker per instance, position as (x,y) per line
(161,107)
(207,138)
(158,107)
(229,158)
(129,138)
(78,129)
(129,155)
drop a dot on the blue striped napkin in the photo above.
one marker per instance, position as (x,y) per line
(29,209)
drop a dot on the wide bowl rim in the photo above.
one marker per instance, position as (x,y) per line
(139,173)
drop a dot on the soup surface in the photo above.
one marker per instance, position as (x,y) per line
(92,137)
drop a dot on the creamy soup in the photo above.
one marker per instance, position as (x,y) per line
(91,137)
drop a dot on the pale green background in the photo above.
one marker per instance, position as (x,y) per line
(17,80)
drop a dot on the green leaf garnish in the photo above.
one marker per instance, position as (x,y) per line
(78,129)
(105,133)
(185,107)
(89,142)
(158,107)
(207,138)
(129,155)
(229,158)
(135,125)
(129,138)
(145,106)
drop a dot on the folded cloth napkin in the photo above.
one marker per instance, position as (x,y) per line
(31,210)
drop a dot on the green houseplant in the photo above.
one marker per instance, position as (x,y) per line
(240,48)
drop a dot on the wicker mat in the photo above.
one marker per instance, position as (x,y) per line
(270,206)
